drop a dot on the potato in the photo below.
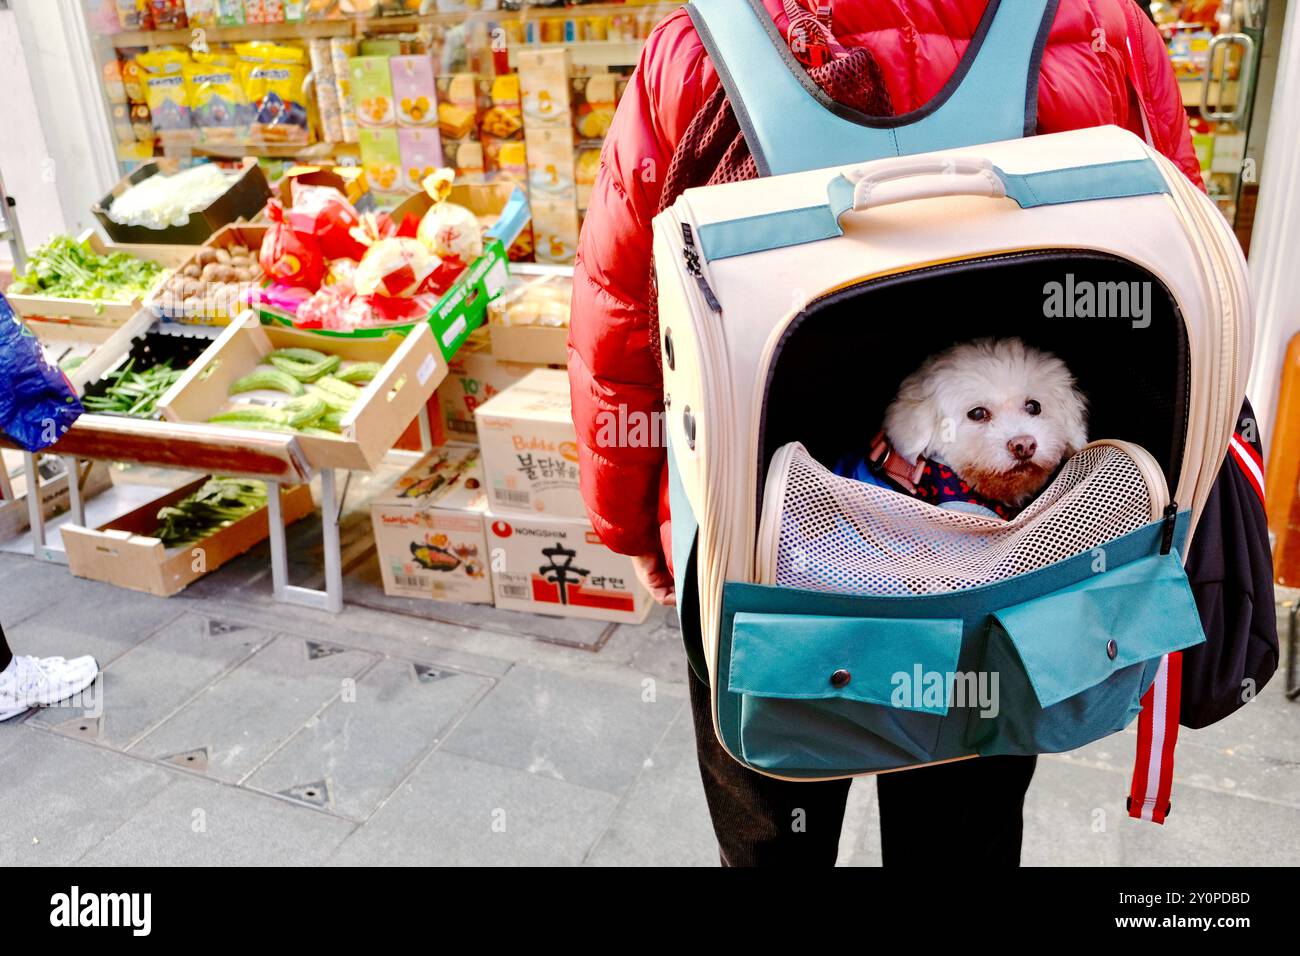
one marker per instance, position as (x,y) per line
(223,256)
(238,250)
(210,271)
(206,254)
(193,270)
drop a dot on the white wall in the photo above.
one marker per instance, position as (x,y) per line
(55,141)
(28,178)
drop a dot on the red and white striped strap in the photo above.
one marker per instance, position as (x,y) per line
(1249,461)
(1153,769)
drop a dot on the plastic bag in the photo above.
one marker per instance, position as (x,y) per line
(395,268)
(449,229)
(287,256)
(325,214)
(37,402)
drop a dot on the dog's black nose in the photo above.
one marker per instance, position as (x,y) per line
(1022,447)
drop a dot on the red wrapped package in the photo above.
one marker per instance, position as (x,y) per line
(394,267)
(441,278)
(288,257)
(324,214)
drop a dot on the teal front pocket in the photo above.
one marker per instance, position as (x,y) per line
(841,694)
(1071,666)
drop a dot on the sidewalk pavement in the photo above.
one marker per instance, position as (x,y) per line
(235,730)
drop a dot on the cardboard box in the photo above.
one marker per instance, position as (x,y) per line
(243,200)
(126,553)
(558,566)
(429,529)
(530,322)
(475,375)
(530,450)
(92,311)
(412,368)
(209,303)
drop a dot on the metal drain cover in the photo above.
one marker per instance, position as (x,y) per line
(316,650)
(427,675)
(190,759)
(317,793)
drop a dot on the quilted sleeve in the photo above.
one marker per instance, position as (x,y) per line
(1163,100)
(614,374)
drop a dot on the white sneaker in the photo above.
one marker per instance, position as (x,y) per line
(40,681)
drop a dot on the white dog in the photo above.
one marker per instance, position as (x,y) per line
(982,426)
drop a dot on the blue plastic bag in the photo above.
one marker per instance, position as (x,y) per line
(37,402)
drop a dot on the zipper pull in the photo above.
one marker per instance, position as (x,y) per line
(1171,521)
(692,257)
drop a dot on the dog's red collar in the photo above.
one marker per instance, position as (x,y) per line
(883,458)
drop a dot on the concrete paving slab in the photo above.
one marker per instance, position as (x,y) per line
(570,728)
(663,820)
(245,715)
(144,686)
(350,757)
(456,811)
(201,823)
(61,797)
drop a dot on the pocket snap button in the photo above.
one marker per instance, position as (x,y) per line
(1112,649)
(840,678)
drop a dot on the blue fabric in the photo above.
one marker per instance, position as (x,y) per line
(1133,177)
(789,130)
(871,650)
(37,402)
(792,227)
(1141,601)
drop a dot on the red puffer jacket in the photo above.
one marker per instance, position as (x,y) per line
(613,364)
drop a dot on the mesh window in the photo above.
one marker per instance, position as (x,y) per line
(841,535)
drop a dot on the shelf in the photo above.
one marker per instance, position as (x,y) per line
(357,26)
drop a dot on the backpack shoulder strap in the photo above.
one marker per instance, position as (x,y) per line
(791,125)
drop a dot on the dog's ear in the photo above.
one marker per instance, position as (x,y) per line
(912,420)
(1074,416)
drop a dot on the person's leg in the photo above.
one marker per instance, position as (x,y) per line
(971,810)
(760,821)
(6,655)
(27,682)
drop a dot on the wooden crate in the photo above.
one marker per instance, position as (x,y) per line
(412,368)
(162,305)
(124,552)
(86,310)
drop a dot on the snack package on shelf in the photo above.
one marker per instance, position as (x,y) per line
(202,14)
(274,86)
(465,158)
(457,96)
(134,15)
(544,88)
(428,529)
(165,92)
(219,107)
(230,13)
(421,155)
(414,90)
(381,157)
(326,86)
(586,166)
(264,11)
(342,50)
(595,98)
(372,91)
(551,174)
(555,230)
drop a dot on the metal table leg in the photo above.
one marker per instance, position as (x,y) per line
(76,504)
(1292,646)
(330,599)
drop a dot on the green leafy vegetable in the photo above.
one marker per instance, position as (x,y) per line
(216,505)
(66,269)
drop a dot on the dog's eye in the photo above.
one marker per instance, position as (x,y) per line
(1032,407)
(978,414)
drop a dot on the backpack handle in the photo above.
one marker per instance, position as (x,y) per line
(927,178)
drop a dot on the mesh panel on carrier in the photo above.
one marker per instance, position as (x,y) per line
(842,535)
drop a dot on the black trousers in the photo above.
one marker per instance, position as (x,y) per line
(6,655)
(969,810)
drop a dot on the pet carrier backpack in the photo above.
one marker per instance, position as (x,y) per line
(849,629)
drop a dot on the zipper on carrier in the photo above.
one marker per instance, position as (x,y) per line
(1167,533)
(692,257)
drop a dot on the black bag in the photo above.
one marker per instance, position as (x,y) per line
(1230,566)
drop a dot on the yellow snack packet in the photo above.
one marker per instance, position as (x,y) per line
(275,88)
(163,72)
(219,109)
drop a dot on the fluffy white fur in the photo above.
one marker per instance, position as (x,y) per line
(931,416)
